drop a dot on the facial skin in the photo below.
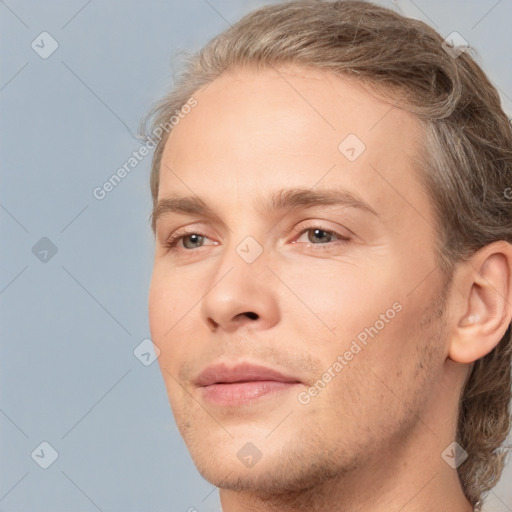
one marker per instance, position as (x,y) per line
(372,438)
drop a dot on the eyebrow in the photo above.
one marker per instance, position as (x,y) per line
(285,199)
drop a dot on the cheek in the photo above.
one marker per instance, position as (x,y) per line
(170,297)
(341,297)
(157,305)
(164,312)
(165,307)
(174,315)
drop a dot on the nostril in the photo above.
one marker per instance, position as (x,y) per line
(251,315)
(212,323)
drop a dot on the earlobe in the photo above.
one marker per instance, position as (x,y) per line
(486,307)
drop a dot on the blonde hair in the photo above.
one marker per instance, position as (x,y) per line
(466,159)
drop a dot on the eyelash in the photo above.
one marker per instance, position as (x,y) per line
(173,241)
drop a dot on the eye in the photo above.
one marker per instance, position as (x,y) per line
(189,240)
(317,235)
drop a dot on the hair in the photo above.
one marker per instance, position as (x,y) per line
(465,162)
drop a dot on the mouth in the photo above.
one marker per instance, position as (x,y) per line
(242,384)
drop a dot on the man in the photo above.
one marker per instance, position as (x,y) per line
(332,290)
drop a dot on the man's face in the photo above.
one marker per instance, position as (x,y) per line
(337,297)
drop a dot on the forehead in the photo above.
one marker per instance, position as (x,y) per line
(263,130)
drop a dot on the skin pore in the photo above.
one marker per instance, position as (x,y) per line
(298,292)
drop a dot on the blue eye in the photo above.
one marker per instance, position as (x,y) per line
(190,240)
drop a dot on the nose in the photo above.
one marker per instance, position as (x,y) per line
(240,294)
(241,318)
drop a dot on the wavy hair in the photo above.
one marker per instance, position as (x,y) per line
(465,161)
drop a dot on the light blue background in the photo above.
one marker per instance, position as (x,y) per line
(68,374)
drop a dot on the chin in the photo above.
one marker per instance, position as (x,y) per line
(281,470)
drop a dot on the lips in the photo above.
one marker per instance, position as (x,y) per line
(241,384)
(222,374)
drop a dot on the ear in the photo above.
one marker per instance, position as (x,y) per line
(483,303)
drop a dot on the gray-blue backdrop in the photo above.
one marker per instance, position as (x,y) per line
(76,78)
